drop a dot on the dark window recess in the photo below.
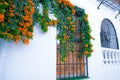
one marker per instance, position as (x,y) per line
(73,67)
(108,35)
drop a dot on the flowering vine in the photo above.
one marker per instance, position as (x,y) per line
(18,17)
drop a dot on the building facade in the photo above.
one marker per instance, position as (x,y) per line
(20,62)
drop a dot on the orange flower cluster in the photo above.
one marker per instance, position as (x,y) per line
(29,11)
(52,22)
(24,22)
(67,3)
(24,25)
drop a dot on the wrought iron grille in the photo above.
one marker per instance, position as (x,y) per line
(113,4)
(73,67)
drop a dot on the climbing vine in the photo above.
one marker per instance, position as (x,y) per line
(18,17)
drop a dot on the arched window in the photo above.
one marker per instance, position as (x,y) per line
(108,35)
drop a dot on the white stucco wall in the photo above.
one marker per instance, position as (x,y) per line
(97,69)
(37,61)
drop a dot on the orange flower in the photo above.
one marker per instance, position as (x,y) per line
(86,45)
(65,4)
(69,18)
(19,29)
(65,37)
(29,34)
(47,28)
(50,23)
(13,6)
(59,1)
(32,10)
(30,2)
(71,5)
(92,50)
(27,25)
(30,21)
(73,11)
(91,37)
(71,22)
(24,31)
(73,29)
(54,22)
(86,52)
(21,23)
(25,8)
(11,10)
(85,18)
(26,41)
(26,18)
(47,23)
(1,17)
(27,12)
(65,27)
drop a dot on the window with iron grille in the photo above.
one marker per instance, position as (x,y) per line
(73,67)
(108,35)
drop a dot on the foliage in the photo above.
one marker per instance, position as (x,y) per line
(18,17)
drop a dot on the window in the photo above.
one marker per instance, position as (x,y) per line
(73,67)
(108,35)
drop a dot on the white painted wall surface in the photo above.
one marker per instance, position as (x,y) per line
(97,69)
(37,61)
